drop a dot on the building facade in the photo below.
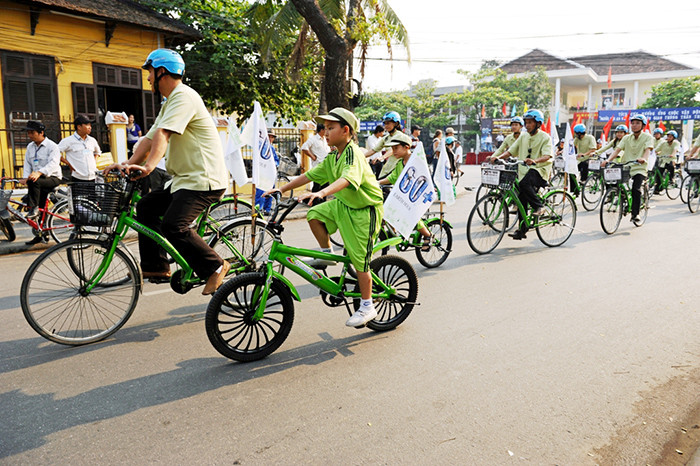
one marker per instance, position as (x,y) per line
(60,58)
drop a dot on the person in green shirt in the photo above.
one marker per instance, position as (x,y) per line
(694,150)
(620,132)
(392,125)
(658,139)
(636,146)
(516,125)
(183,133)
(667,153)
(401,148)
(585,145)
(357,209)
(535,149)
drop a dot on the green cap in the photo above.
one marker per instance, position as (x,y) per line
(342,115)
(399,138)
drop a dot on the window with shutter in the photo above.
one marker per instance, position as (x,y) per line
(31,85)
(109,75)
(85,99)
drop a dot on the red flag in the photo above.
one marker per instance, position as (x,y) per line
(547,126)
(662,126)
(646,128)
(505,112)
(576,122)
(607,127)
(483,112)
(609,77)
(627,119)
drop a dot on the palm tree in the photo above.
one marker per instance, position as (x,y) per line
(340,27)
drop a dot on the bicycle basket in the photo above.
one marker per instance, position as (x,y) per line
(288,166)
(594,165)
(616,175)
(494,178)
(559,163)
(693,166)
(93,204)
(5,196)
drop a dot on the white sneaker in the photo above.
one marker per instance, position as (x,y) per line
(362,316)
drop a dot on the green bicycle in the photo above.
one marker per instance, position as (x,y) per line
(85,289)
(251,315)
(489,218)
(692,166)
(672,185)
(617,200)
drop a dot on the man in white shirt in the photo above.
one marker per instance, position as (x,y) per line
(316,148)
(459,156)
(372,141)
(42,167)
(81,151)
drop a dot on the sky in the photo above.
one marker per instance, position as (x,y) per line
(447,35)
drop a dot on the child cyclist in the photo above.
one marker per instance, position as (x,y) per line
(357,209)
(400,144)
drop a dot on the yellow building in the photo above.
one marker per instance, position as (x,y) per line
(60,58)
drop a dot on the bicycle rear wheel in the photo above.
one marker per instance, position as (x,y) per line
(685,187)
(558,181)
(54,300)
(440,244)
(228,209)
(673,190)
(487,223)
(592,192)
(7,229)
(559,219)
(234,240)
(397,273)
(229,321)
(611,210)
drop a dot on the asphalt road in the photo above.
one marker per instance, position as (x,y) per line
(583,354)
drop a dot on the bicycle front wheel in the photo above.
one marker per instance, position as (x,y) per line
(58,222)
(592,192)
(230,323)
(559,220)
(673,190)
(643,206)
(611,210)
(487,223)
(440,244)
(228,209)
(694,195)
(56,304)
(558,181)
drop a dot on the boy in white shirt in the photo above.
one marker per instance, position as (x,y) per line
(81,151)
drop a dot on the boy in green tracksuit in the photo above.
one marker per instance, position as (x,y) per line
(401,149)
(667,153)
(357,209)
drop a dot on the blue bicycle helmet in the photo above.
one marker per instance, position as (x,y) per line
(673,133)
(580,129)
(534,115)
(518,120)
(622,128)
(640,117)
(449,140)
(165,58)
(658,131)
(392,116)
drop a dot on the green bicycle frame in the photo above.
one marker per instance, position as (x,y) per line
(287,256)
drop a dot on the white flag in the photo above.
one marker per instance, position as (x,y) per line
(255,135)
(443,177)
(569,152)
(412,194)
(684,148)
(233,156)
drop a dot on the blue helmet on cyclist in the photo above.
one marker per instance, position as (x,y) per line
(659,131)
(580,129)
(392,116)
(165,58)
(534,115)
(517,119)
(672,133)
(449,140)
(639,117)
(622,128)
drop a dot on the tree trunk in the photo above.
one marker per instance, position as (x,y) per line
(335,82)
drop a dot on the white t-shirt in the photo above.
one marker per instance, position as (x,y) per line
(81,153)
(372,142)
(44,158)
(459,153)
(317,146)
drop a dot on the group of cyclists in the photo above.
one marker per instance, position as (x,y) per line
(184,134)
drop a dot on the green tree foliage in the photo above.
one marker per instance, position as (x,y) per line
(677,93)
(226,66)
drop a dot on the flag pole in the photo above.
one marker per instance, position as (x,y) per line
(253,215)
